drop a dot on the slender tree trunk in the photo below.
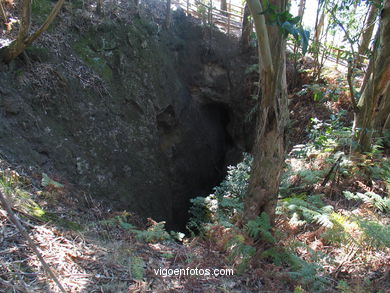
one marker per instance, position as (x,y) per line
(269,148)
(375,100)
(22,41)
(367,32)
(3,14)
(223,5)
(301,11)
(319,27)
(316,45)
(246,29)
(168,15)
(99,7)
(17,46)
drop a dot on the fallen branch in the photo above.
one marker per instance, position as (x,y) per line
(3,13)
(327,177)
(30,242)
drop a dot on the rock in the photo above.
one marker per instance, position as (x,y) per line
(12,105)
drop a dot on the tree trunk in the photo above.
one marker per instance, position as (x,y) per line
(301,10)
(374,103)
(3,14)
(99,7)
(367,32)
(168,17)
(269,148)
(316,45)
(223,5)
(246,29)
(18,46)
(319,27)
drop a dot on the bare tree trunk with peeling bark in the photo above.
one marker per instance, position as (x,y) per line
(374,104)
(301,10)
(367,32)
(269,148)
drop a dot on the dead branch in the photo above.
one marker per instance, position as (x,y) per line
(334,167)
(30,242)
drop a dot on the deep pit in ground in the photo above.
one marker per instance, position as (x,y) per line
(141,118)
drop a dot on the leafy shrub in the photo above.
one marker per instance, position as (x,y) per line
(375,234)
(156,232)
(226,203)
(382,204)
(260,227)
(240,253)
(304,209)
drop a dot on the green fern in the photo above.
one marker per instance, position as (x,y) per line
(308,275)
(303,210)
(375,234)
(137,268)
(260,227)
(155,233)
(240,253)
(222,206)
(382,204)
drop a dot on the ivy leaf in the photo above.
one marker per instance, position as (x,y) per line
(295,20)
(304,37)
(289,28)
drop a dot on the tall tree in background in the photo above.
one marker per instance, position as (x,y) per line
(223,5)
(23,39)
(99,7)
(168,15)
(368,29)
(269,147)
(374,105)
(301,10)
(320,20)
(316,44)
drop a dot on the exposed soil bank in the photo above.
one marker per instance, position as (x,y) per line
(143,118)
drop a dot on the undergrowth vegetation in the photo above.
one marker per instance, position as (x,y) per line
(333,212)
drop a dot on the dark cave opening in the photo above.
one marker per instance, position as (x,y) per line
(211,150)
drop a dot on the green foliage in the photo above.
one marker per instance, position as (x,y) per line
(253,68)
(338,234)
(330,134)
(380,169)
(226,203)
(343,287)
(137,268)
(308,275)
(260,227)
(47,181)
(155,233)
(288,24)
(302,210)
(240,253)
(382,204)
(41,8)
(375,234)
